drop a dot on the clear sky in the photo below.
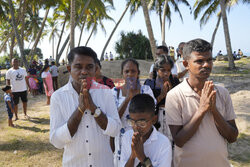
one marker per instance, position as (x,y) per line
(238,19)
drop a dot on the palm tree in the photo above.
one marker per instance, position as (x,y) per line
(14,25)
(72,23)
(54,32)
(113,31)
(211,8)
(149,27)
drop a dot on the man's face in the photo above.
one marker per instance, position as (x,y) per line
(142,122)
(160,52)
(15,63)
(200,64)
(82,67)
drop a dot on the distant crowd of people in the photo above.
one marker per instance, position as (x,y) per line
(38,79)
(177,117)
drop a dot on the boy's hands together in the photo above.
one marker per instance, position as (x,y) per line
(137,147)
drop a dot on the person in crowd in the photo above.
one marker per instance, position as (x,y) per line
(33,82)
(83,118)
(144,145)
(123,94)
(200,114)
(181,70)
(9,104)
(54,73)
(162,50)
(240,53)
(47,82)
(16,77)
(161,83)
(111,57)
(101,78)
(106,57)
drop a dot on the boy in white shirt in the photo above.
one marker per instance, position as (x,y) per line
(144,145)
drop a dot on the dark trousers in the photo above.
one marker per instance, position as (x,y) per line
(55,83)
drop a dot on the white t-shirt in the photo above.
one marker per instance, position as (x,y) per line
(173,70)
(17,79)
(54,71)
(45,74)
(181,68)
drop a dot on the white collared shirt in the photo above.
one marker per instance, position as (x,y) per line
(157,147)
(89,147)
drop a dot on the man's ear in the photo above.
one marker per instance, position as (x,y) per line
(155,118)
(69,68)
(185,63)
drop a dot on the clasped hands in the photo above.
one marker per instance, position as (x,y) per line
(85,99)
(137,149)
(208,98)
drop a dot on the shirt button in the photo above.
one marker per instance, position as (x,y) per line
(90,165)
(87,141)
(85,112)
(89,153)
(87,126)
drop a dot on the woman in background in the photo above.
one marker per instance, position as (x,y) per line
(47,83)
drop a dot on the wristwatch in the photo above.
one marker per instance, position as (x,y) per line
(97,112)
(147,162)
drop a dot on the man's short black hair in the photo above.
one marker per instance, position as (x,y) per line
(142,103)
(124,62)
(53,63)
(82,51)
(7,87)
(195,45)
(164,48)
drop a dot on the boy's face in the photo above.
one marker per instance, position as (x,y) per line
(8,91)
(142,122)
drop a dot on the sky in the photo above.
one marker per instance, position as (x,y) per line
(238,20)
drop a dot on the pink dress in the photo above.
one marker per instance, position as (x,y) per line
(48,78)
(32,82)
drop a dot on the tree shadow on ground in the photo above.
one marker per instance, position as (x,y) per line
(30,147)
(240,150)
(34,129)
(42,121)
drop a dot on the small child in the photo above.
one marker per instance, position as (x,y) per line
(9,103)
(144,145)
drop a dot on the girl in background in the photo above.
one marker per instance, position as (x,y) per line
(47,82)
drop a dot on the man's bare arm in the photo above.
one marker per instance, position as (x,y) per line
(181,134)
(8,82)
(74,122)
(227,129)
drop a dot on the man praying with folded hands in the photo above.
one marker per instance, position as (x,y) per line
(83,114)
(200,114)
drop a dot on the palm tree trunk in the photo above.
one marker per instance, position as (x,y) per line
(60,38)
(12,44)
(227,35)
(67,39)
(160,11)
(72,23)
(23,21)
(164,23)
(149,28)
(53,47)
(90,34)
(80,38)
(14,25)
(38,36)
(215,30)
(113,31)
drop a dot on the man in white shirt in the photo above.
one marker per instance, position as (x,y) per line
(144,145)
(54,74)
(83,114)
(162,50)
(17,78)
(181,70)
